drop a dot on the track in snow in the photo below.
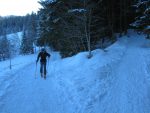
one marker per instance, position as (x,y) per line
(129,91)
(26,94)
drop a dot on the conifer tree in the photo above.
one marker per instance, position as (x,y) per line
(5,47)
(26,45)
(142,21)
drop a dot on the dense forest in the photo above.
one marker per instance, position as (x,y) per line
(72,26)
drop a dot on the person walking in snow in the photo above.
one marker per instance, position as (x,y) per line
(43,60)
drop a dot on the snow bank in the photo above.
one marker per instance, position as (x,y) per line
(80,77)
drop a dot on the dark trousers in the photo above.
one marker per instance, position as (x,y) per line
(43,68)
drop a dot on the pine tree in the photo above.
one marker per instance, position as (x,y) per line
(147,20)
(5,48)
(26,45)
(29,34)
(142,21)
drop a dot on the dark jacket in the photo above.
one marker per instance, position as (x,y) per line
(42,56)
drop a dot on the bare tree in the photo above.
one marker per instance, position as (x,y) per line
(87,25)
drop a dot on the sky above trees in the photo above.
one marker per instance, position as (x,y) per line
(18,7)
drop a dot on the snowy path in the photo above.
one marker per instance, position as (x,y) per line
(129,92)
(26,94)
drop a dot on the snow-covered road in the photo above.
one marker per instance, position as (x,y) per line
(129,91)
(116,81)
(21,92)
(27,94)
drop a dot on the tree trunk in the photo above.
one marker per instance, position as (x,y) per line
(120,22)
(87,29)
(89,34)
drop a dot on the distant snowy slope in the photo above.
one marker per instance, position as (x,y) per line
(15,41)
(13,35)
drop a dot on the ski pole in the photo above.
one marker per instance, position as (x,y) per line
(35,70)
(47,65)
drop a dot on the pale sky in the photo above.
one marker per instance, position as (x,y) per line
(18,7)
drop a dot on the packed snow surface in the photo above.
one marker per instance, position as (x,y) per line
(116,80)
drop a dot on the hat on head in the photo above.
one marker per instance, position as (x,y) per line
(43,49)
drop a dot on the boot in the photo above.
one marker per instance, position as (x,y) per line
(41,75)
(44,76)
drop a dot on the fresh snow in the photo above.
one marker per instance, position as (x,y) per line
(116,80)
(76,10)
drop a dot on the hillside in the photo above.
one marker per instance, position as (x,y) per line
(14,42)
